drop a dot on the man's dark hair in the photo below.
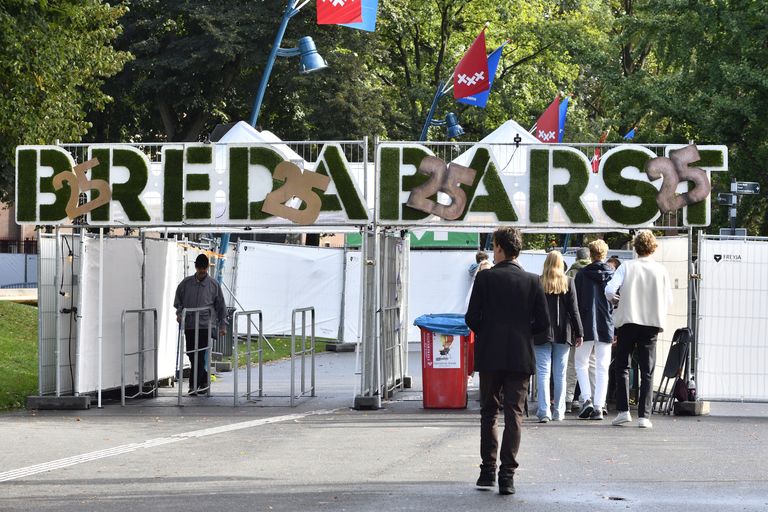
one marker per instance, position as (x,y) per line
(201,261)
(480,256)
(510,240)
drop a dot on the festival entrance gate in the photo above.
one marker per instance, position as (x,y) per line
(166,192)
(308,187)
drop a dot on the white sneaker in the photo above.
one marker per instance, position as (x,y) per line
(621,418)
(644,423)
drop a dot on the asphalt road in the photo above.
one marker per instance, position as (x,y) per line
(322,455)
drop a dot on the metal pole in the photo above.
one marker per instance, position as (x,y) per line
(340,335)
(293,354)
(57,315)
(40,298)
(235,365)
(427,123)
(312,377)
(180,352)
(691,284)
(101,308)
(289,12)
(732,207)
(122,362)
(223,244)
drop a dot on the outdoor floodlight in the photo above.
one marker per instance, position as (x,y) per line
(453,128)
(310,60)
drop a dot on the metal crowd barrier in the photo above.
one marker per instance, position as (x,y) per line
(181,350)
(140,353)
(222,345)
(248,353)
(303,352)
(392,343)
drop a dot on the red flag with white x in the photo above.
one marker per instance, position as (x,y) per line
(334,12)
(471,75)
(548,125)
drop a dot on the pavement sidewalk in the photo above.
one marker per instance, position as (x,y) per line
(322,455)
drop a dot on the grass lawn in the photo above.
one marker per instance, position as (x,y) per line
(18,354)
(282,349)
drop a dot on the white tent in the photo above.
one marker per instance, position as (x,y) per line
(501,144)
(243,133)
(505,134)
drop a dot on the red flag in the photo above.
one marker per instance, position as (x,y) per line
(471,75)
(596,158)
(334,12)
(548,125)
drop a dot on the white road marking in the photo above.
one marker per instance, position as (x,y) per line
(160,441)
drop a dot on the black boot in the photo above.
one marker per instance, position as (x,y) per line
(487,476)
(486,479)
(506,484)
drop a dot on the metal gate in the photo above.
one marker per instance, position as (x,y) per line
(383,353)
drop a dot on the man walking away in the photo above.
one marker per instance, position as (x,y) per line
(506,308)
(646,295)
(198,291)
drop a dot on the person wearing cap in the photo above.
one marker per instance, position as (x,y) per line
(199,291)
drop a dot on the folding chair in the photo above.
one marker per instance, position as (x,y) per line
(664,398)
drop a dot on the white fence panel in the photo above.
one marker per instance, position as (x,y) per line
(733,320)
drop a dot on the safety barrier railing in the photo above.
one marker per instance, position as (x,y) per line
(196,358)
(392,346)
(248,353)
(303,352)
(142,350)
(222,345)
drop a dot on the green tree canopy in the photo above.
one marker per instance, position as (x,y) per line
(54,57)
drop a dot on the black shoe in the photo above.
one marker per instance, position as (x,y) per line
(192,392)
(202,390)
(486,479)
(506,485)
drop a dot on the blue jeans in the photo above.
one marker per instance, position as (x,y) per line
(551,358)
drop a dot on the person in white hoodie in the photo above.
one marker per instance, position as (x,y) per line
(645,296)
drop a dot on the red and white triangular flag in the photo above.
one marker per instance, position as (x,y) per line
(548,125)
(334,12)
(471,75)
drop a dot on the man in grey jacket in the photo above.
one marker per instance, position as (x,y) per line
(199,291)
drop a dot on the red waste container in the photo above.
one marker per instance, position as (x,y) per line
(444,366)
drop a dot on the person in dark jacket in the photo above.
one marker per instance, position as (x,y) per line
(552,347)
(597,319)
(506,308)
(198,291)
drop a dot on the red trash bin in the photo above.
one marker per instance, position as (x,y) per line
(444,369)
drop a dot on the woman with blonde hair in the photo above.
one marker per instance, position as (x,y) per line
(553,346)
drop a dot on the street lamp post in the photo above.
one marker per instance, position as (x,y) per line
(454,129)
(310,59)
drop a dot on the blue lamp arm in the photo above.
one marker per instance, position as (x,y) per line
(289,12)
(428,122)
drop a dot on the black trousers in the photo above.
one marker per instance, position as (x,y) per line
(515,388)
(197,359)
(642,337)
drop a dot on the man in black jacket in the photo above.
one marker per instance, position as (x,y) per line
(506,309)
